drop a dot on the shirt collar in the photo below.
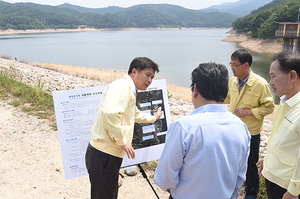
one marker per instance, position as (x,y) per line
(245,80)
(241,84)
(129,78)
(136,89)
(291,101)
(211,108)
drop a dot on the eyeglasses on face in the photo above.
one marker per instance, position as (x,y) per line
(232,66)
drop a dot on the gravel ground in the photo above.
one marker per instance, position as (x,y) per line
(31,164)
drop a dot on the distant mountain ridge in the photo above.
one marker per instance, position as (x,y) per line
(110,9)
(239,8)
(36,16)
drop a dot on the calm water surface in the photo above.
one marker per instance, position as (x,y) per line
(177,52)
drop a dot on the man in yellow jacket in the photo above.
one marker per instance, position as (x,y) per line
(250,99)
(112,131)
(281,166)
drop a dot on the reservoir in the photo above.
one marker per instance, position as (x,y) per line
(177,51)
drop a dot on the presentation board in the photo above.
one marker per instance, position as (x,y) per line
(76,111)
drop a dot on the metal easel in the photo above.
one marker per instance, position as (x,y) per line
(145,176)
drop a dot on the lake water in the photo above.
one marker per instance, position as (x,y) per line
(177,52)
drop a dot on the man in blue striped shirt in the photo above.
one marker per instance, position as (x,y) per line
(205,154)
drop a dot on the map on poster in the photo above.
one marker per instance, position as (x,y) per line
(148,134)
(76,111)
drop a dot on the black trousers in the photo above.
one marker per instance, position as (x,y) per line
(274,191)
(103,172)
(252,177)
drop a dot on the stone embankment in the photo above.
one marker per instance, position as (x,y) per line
(54,81)
(30,158)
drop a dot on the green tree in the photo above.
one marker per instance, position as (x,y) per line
(263,24)
(268,28)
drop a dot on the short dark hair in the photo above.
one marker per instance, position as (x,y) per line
(211,80)
(288,62)
(140,63)
(243,56)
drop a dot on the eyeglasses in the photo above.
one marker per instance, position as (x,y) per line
(234,66)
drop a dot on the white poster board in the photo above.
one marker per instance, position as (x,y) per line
(76,111)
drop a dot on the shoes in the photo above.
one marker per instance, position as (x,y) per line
(250,197)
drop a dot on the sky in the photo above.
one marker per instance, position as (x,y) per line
(190,4)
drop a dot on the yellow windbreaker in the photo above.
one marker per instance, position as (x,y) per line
(282,161)
(254,95)
(114,123)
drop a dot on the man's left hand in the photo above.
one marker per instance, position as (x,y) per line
(287,195)
(240,112)
(129,150)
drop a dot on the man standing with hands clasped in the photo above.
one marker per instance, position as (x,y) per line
(112,131)
(281,166)
(250,99)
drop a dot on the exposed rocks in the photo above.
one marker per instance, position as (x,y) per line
(131,171)
(30,162)
(51,80)
(54,80)
(272,46)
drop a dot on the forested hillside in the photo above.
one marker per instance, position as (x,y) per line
(35,16)
(26,17)
(262,24)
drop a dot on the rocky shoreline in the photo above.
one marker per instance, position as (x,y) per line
(85,29)
(31,163)
(272,46)
(54,80)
